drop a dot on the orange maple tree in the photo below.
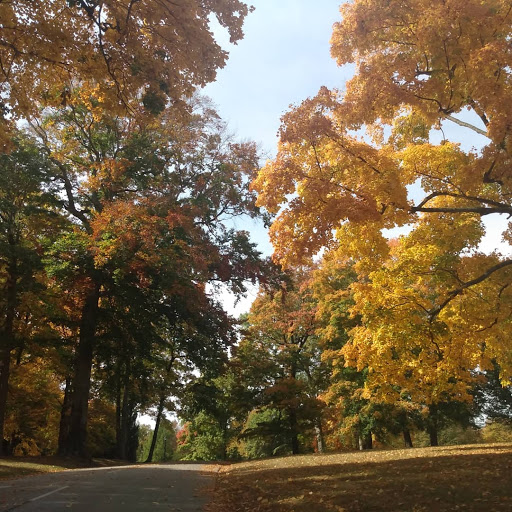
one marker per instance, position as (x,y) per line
(281,356)
(131,50)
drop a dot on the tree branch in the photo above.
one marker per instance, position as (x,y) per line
(480,210)
(457,291)
(491,205)
(71,206)
(466,125)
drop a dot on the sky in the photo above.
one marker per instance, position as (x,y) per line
(283,59)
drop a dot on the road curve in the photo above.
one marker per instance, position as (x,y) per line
(169,487)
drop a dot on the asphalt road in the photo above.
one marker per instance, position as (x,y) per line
(169,487)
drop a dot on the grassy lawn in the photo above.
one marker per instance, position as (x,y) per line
(15,467)
(464,478)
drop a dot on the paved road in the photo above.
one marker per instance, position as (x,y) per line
(171,487)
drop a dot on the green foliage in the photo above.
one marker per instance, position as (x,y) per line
(145,436)
(201,439)
(265,434)
(102,429)
(455,434)
(492,399)
(497,431)
(166,444)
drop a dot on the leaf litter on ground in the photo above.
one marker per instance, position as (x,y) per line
(464,478)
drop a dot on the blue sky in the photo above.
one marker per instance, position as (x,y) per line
(283,59)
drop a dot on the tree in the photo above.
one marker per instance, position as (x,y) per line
(223,400)
(26,224)
(101,441)
(166,445)
(201,439)
(265,434)
(356,413)
(493,401)
(150,204)
(133,51)
(31,425)
(420,67)
(199,343)
(279,348)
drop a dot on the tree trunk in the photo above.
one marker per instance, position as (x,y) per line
(125,419)
(160,410)
(225,436)
(5,363)
(319,437)
(432,432)
(7,339)
(292,411)
(294,436)
(75,443)
(407,438)
(366,441)
(65,416)
(118,410)
(432,426)
(132,442)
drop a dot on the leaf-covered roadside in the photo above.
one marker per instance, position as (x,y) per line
(469,478)
(25,466)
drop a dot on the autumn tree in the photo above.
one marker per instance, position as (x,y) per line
(28,221)
(135,52)
(198,343)
(149,204)
(352,164)
(281,356)
(355,414)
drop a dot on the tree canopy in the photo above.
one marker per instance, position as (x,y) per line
(123,200)
(127,52)
(377,156)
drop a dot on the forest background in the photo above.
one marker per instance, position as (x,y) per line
(124,206)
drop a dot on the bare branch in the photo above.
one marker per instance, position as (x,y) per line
(479,112)
(465,125)
(491,206)
(480,210)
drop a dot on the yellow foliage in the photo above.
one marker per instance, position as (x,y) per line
(432,307)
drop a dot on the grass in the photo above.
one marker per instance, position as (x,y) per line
(16,467)
(463,478)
